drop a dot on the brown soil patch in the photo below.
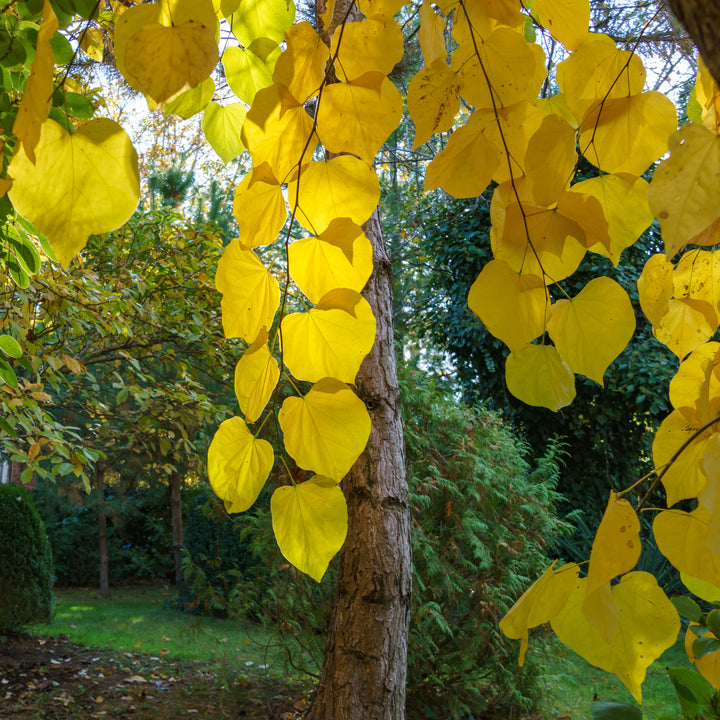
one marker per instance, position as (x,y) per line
(54,679)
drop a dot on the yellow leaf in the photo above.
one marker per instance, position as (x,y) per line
(472,21)
(616,547)
(593,328)
(615,551)
(649,624)
(238,464)
(301,68)
(251,295)
(431,35)
(626,135)
(278,134)
(695,388)
(433,100)
(537,375)
(541,602)
(586,212)
(326,430)
(339,258)
(655,287)
(598,71)
(704,590)
(35,102)
(513,307)
(193,101)
(246,73)
(262,19)
(683,539)
(555,139)
(684,193)
(34,451)
(256,376)
(553,249)
(310,523)
(625,205)
(73,365)
(82,184)
(222,126)
(380,10)
(567,20)
(163,62)
(331,340)
(505,58)
(369,45)
(356,118)
(686,325)
(259,209)
(511,127)
(708,665)
(92,43)
(685,478)
(342,187)
(697,276)
(465,166)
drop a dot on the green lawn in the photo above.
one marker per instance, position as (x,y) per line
(136,619)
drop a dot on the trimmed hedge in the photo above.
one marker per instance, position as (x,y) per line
(26,566)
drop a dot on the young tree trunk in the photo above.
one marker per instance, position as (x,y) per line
(102,531)
(701,19)
(365,664)
(177,524)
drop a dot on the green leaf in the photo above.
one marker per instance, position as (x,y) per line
(612,710)
(705,646)
(78,106)
(61,48)
(25,251)
(7,374)
(687,608)
(692,689)
(10,346)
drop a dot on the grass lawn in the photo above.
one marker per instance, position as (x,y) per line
(136,619)
(571,685)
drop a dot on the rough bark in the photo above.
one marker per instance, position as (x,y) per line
(365,664)
(701,18)
(102,531)
(177,524)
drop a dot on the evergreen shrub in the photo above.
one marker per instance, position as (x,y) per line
(482,520)
(26,566)
(218,561)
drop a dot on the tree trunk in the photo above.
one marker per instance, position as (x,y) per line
(701,18)
(365,664)
(177,524)
(102,531)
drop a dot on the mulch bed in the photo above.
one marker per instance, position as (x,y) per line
(50,677)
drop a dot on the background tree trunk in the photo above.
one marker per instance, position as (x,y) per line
(102,531)
(701,18)
(365,664)
(177,523)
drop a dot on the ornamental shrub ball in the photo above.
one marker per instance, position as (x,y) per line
(26,568)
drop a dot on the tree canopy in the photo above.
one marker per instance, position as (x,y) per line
(314,103)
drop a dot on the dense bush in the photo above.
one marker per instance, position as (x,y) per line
(26,569)
(217,559)
(482,519)
(138,527)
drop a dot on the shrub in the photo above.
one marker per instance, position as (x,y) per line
(26,570)
(217,558)
(482,519)
(138,528)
